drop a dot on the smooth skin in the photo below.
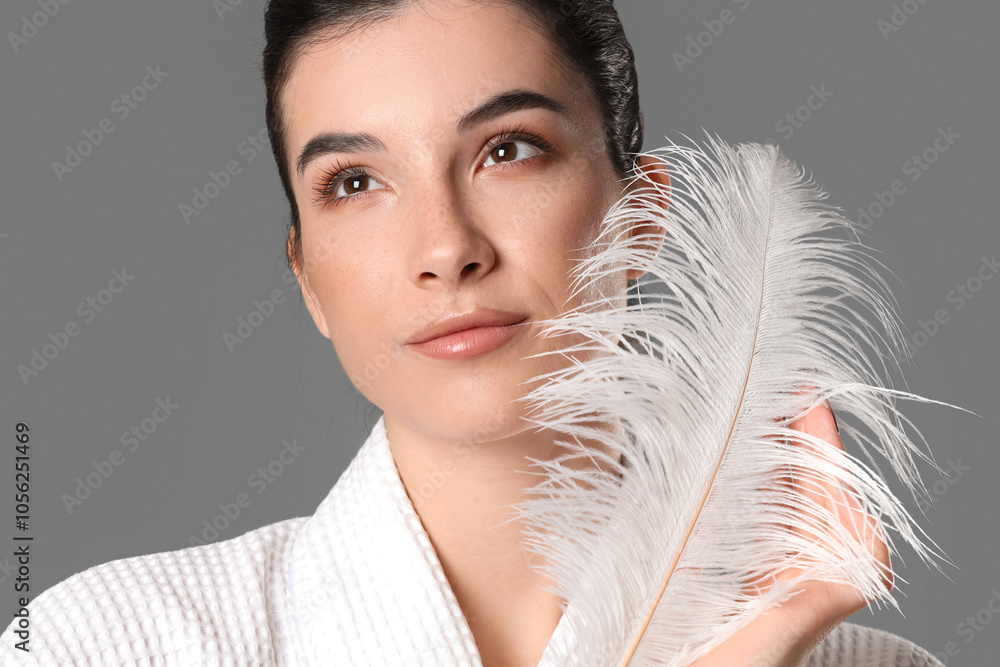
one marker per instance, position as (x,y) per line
(446,221)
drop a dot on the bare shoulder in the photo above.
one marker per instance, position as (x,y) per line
(851,645)
(153,606)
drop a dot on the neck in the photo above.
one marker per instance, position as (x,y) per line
(462,492)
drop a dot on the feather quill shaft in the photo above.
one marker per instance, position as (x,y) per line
(753,294)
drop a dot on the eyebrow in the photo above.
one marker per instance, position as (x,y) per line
(496,106)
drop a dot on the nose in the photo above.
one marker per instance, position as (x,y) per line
(448,246)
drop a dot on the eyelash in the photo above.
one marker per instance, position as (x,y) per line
(330,179)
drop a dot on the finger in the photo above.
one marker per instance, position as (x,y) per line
(826,489)
(841,498)
(779,486)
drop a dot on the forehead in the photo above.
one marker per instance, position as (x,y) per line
(423,69)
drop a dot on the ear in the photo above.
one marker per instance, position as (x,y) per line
(294,252)
(651,173)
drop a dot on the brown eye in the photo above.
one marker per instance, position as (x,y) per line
(344,184)
(512,151)
(505,152)
(355,184)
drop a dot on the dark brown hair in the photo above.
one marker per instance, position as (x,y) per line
(588,33)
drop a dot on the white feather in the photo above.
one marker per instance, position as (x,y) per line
(754,292)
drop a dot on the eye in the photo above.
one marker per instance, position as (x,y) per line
(517,144)
(342,183)
(355,183)
(512,151)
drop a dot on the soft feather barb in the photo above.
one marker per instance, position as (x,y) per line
(754,292)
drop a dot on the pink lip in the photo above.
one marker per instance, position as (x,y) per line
(467,335)
(467,343)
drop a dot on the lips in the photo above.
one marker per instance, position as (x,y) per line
(481,317)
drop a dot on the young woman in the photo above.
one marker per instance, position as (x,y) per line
(443,160)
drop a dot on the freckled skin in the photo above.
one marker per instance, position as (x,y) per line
(442,225)
(385,264)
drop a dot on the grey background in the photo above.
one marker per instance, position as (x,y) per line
(162,336)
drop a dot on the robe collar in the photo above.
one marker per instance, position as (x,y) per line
(364,584)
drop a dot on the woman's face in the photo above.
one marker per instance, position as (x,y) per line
(445,213)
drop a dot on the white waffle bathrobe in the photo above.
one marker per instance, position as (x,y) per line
(357,583)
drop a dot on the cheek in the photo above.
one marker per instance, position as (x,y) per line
(350,276)
(555,226)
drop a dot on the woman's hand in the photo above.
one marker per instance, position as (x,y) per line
(786,635)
